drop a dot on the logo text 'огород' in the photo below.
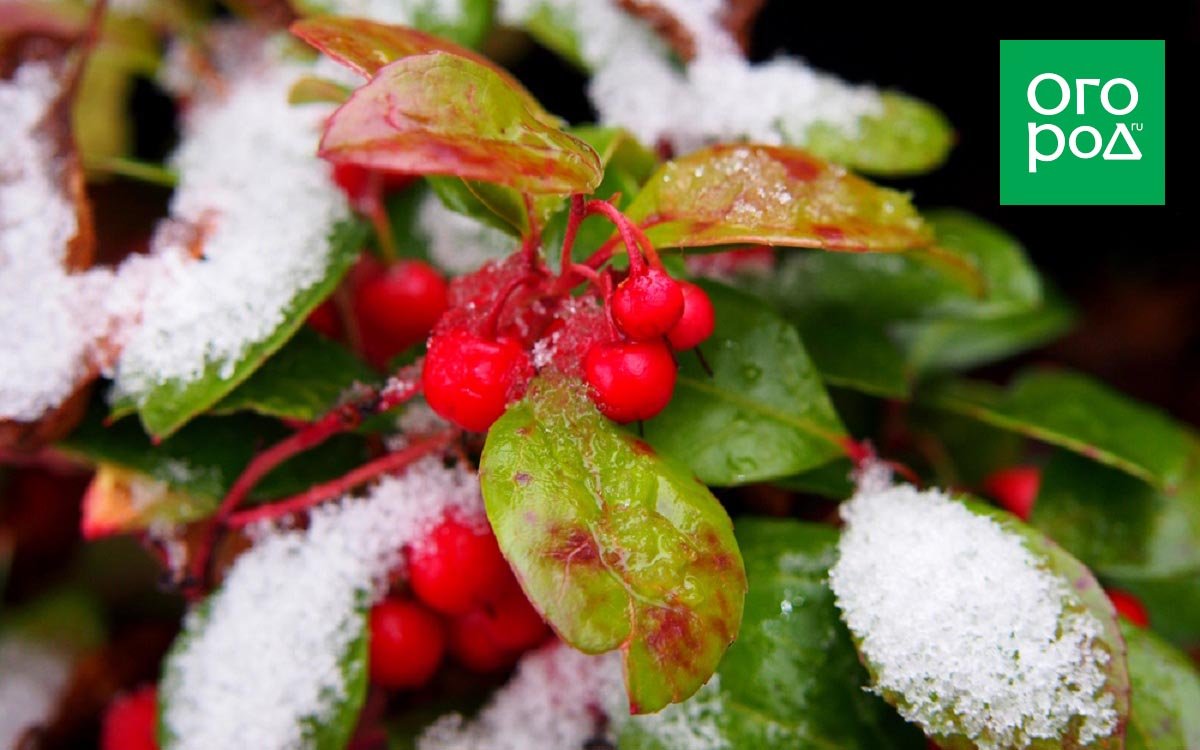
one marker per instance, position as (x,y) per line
(1082,122)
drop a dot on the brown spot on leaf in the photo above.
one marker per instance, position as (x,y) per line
(641,447)
(829,233)
(576,546)
(672,636)
(522,478)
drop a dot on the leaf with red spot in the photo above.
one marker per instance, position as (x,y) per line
(618,548)
(769,195)
(366,47)
(439,113)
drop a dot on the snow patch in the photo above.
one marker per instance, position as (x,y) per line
(965,623)
(559,698)
(32,679)
(264,205)
(458,243)
(239,680)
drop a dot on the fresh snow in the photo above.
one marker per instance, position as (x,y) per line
(558,699)
(264,206)
(964,623)
(718,96)
(262,654)
(32,679)
(694,724)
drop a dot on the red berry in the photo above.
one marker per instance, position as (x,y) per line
(325,320)
(407,643)
(130,721)
(1015,488)
(698,319)
(513,622)
(472,645)
(1129,607)
(469,380)
(457,568)
(645,306)
(630,381)
(397,307)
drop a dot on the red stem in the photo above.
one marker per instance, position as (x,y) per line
(492,324)
(336,488)
(533,240)
(343,418)
(574,219)
(626,229)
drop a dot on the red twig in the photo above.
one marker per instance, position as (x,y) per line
(532,240)
(625,228)
(343,418)
(574,219)
(336,488)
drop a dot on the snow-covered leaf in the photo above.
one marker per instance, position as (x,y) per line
(773,196)
(618,547)
(976,627)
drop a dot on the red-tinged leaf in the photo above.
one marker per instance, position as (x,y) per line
(442,114)
(119,500)
(366,47)
(769,195)
(618,547)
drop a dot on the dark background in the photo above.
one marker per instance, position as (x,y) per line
(1133,271)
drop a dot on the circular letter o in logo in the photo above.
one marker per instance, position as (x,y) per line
(1064,100)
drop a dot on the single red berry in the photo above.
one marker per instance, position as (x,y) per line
(130,721)
(407,644)
(469,380)
(513,622)
(698,319)
(457,568)
(1129,607)
(472,645)
(325,320)
(1015,488)
(630,381)
(397,307)
(645,306)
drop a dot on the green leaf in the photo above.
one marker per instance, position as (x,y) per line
(831,480)
(330,732)
(65,618)
(1137,538)
(763,413)
(172,404)
(1012,283)
(962,343)
(1077,413)
(908,137)
(1165,701)
(1117,523)
(204,458)
(615,545)
(769,195)
(852,351)
(792,679)
(367,47)
(438,113)
(301,381)
(497,206)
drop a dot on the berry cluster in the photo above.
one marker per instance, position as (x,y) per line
(513,319)
(463,600)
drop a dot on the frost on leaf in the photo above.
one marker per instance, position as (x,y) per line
(975,627)
(773,196)
(618,547)
(718,96)
(559,698)
(276,657)
(260,210)
(439,113)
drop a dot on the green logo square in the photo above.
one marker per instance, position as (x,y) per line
(1082,122)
